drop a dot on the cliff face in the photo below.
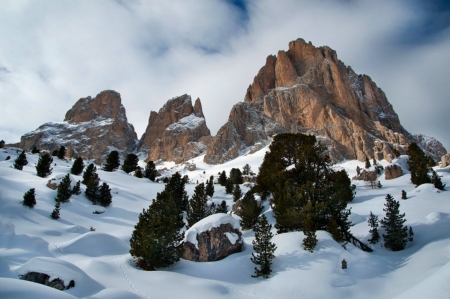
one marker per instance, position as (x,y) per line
(91,129)
(309,90)
(178,132)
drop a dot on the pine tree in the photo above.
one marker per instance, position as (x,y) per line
(246,170)
(105,197)
(404,196)
(55,153)
(198,206)
(379,186)
(64,191)
(29,198)
(309,227)
(130,164)
(112,161)
(236,176)
(374,162)
(20,161)
(237,193)
(210,187)
(77,167)
(156,239)
(92,188)
(55,213)
(373,223)
(2,143)
(263,249)
(62,152)
(436,180)
(138,173)
(418,165)
(396,235)
(410,234)
(76,190)
(35,150)
(358,170)
(90,171)
(229,186)
(223,178)
(249,211)
(176,188)
(367,165)
(150,171)
(43,168)
(222,208)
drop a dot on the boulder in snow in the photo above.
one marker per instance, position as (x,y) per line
(393,171)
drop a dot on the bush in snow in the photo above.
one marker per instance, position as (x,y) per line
(29,198)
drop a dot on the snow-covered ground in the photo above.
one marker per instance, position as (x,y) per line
(100,264)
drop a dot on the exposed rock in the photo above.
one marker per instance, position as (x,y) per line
(178,132)
(212,239)
(309,90)
(445,160)
(430,146)
(91,129)
(392,171)
(191,166)
(53,183)
(366,175)
(43,278)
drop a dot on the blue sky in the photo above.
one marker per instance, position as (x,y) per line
(55,52)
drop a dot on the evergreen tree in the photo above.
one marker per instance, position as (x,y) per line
(77,188)
(55,213)
(156,239)
(229,186)
(222,208)
(430,162)
(104,197)
(309,214)
(237,193)
(64,191)
(373,223)
(210,187)
(358,170)
(379,186)
(112,161)
(35,150)
(176,188)
(223,178)
(263,249)
(130,164)
(150,171)
(410,234)
(246,170)
(43,168)
(62,152)
(396,153)
(236,176)
(20,161)
(92,188)
(367,165)
(138,173)
(2,143)
(418,165)
(77,167)
(436,180)
(198,206)
(404,196)
(90,171)
(374,162)
(396,235)
(29,198)
(249,211)
(55,153)
(7,158)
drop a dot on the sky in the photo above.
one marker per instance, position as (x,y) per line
(54,52)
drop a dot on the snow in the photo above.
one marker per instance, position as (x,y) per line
(102,267)
(189,122)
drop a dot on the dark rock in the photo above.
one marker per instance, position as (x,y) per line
(43,278)
(392,171)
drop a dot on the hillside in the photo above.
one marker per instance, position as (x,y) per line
(100,263)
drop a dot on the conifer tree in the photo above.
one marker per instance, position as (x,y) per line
(249,211)
(436,180)
(55,153)
(55,214)
(263,249)
(150,171)
(358,170)
(396,235)
(373,223)
(410,234)
(64,191)
(20,161)
(418,165)
(35,150)
(210,186)
(104,197)
(156,239)
(246,170)
(92,188)
(176,188)
(90,171)
(237,193)
(236,176)
(29,198)
(138,173)
(130,164)
(77,167)
(2,143)
(223,178)
(62,152)
(222,208)
(77,188)
(309,227)
(198,206)
(379,186)
(367,165)
(112,161)
(404,196)
(43,168)
(229,186)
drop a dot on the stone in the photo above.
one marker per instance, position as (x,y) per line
(445,160)
(430,146)
(43,278)
(212,239)
(90,129)
(392,171)
(366,175)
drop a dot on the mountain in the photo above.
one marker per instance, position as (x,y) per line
(92,128)
(178,132)
(308,90)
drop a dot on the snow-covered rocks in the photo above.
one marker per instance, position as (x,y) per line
(212,239)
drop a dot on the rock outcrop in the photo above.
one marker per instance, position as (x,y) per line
(178,132)
(445,160)
(212,239)
(430,146)
(91,129)
(309,90)
(44,279)
(392,171)
(366,175)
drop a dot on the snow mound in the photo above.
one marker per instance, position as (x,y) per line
(428,188)
(435,216)
(16,288)
(207,223)
(94,244)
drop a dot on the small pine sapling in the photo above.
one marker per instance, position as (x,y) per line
(436,180)
(138,173)
(373,223)
(20,161)
(367,164)
(76,190)
(237,193)
(222,208)
(55,214)
(29,198)
(404,196)
(410,234)
(379,186)
(263,249)
(105,197)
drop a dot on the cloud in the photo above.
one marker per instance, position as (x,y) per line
(60,51)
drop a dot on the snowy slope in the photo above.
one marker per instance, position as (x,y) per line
(103,267)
